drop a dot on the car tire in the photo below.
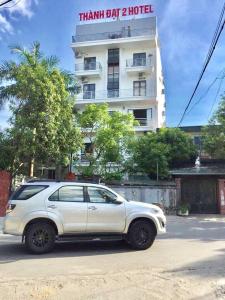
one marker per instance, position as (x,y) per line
(141,235)
(40,238)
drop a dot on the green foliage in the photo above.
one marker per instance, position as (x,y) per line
(180,145)
(42,122)
(214,133)
(108,136)
(6,150)
(160,150)
(113,176)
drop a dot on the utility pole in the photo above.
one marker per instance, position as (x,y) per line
(157,170)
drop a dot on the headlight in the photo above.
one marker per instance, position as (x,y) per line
(157,210)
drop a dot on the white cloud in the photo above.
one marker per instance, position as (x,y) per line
(23,8)
(5,25)
(184,47)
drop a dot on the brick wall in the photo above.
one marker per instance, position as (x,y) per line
(5,181)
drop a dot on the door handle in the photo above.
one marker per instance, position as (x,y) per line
(52,206)
(92,207)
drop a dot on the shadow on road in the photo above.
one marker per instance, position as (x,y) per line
(10,252)
(213,267)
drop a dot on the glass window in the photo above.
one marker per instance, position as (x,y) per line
(88,91)
(68,194)
(139,59)
(27,191)
(139,88)
(98,195)
(90,63)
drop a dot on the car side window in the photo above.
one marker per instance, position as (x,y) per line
(68,194)
(99,195)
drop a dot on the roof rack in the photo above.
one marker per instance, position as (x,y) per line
(52,180)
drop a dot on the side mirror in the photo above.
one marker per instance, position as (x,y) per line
(117,201)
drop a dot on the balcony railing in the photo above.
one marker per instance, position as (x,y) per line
(123,33)
(114,94)
(95,66)
(142,121)
(138,62)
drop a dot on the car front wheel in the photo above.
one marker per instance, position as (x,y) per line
(141,235)
(40,238)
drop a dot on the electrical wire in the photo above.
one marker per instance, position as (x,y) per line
(215,99)
(218,31)
(220,75)
(13,4)
(5,2)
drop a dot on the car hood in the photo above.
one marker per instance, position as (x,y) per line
(144,205)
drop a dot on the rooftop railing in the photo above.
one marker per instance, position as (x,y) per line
(123,33)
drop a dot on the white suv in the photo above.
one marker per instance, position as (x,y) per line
(43,212)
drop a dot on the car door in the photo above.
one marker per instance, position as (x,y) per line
(104,213)
(68,203)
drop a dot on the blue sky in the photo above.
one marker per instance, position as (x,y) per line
(185,29)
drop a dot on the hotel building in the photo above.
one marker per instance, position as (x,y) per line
(118,62)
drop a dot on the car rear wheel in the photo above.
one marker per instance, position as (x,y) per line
(40,238)
(141,235)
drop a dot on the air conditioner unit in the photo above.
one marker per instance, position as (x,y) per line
(141,75)
(78,54)
(84,79)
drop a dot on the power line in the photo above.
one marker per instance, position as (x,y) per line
(208,57)
(13,4)
(3,3)
(215,99)
(221,73)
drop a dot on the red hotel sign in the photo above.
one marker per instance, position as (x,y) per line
(116,12)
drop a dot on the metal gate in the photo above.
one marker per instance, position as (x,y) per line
(201,194)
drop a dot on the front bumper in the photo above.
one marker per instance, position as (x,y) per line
(162,224)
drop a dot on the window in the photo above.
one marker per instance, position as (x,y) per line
(113,81)
(98,195)
(113,73)
(90,63)
(86,151)
(113,56)
(139,59)
(68,194)
(27,191)
(141,116)
(197,140)
(139,88)
(88,91)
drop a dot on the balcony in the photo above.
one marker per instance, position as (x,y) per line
(91,69)
(123,33)
(139,65)
(113,96)
(142,121)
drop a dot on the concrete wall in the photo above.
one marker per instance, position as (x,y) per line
(149,194)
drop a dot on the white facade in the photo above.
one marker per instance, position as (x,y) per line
(128,78)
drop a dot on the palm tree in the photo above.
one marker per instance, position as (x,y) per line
(16,81)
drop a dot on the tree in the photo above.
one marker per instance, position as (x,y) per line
(214,133)
(108,137)
(180,145)
(157,152)
(40,95)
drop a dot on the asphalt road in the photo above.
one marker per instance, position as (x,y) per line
(186,263)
